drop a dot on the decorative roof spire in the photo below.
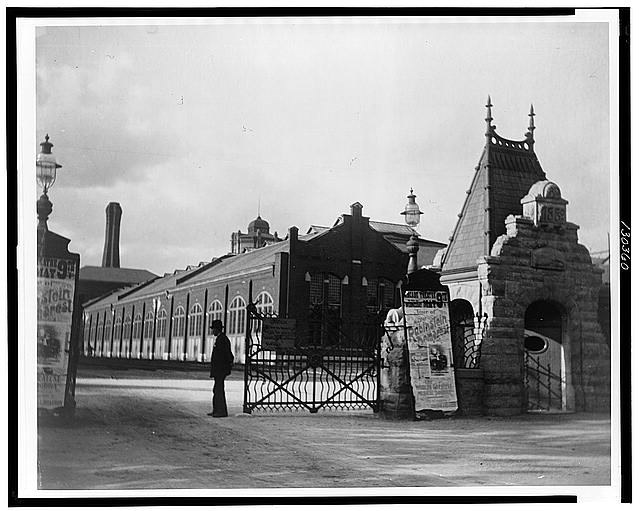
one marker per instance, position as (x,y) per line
(490,127)
(529,133)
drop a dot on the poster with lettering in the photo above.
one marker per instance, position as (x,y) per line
(56,286)
(278,333)
(430,350)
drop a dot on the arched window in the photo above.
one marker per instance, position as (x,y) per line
(161,327)
(214,312)
(237,315)
(107,330)
(264,303)
(264,306)
(126,327)
(178,322)
(148,325)
(195,320)
(99,332)
(117,325)
(91,346)
(87,329)
(137,324)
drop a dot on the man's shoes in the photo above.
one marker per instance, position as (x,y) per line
(219,415)
(211,414)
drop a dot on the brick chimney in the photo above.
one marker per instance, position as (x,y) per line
(111,254)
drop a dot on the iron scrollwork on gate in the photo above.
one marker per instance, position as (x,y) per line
(336,370)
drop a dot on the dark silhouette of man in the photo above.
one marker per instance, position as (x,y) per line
(221,363)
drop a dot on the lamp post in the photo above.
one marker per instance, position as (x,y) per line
(59,312)
(46,170)
(412,219)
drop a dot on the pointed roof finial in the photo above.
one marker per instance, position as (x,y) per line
(489,118)
(529,133)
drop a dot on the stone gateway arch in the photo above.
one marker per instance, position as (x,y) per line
(515,261)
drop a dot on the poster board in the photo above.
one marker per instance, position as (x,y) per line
(56,292)
(430,349)
(278,333)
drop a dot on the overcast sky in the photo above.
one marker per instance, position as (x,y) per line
(190,128)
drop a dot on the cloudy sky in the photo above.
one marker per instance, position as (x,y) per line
(192,127)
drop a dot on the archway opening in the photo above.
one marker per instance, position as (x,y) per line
(465,352)
(545,358)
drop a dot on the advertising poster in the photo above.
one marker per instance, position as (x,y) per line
(430,350)
(278,333)
(56,286)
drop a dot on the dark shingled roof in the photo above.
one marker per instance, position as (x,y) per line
(244,262)
(109,274)
(506,172)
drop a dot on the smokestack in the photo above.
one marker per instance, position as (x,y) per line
(111,254)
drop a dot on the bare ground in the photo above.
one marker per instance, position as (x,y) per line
(139,429)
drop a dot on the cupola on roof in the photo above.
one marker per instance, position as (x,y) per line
(258,224)
(545,189)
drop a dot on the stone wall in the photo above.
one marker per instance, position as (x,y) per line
(470,391)
(527,264)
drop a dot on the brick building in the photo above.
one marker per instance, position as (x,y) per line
(348,272)
(525,293)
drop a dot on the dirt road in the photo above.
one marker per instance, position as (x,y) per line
(145,430)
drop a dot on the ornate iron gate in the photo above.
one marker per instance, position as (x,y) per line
(543,387)
(328,366)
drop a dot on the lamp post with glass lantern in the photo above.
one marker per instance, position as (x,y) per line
(59,315)
(412,219)
(46,171)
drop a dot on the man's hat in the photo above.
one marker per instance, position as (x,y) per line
(216,324)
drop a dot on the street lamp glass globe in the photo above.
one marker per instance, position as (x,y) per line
(412,215)
(46,166)
(46,171)
(412,211)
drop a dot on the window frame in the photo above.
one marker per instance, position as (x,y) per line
(161,324)
(195,320)
(147,330)
(177,330)
(237,315)
(137,326)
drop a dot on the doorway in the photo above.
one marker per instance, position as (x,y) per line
(545,355)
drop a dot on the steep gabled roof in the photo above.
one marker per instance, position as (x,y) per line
(505,173)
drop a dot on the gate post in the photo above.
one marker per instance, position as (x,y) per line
(418,374)
(396,399)
(247,349)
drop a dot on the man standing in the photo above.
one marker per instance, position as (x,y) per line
(221,363)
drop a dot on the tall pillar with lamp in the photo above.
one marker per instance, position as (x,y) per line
(58,325)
